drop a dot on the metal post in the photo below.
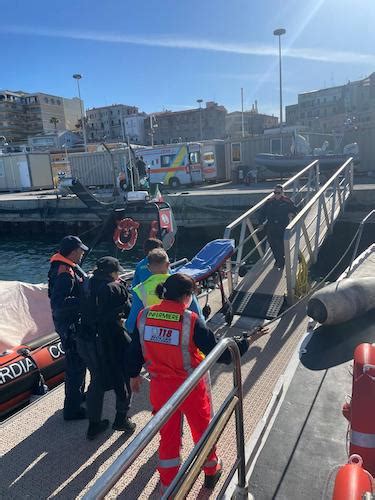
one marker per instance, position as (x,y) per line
(77,77)
(242,117)
(279,32)
(199,101)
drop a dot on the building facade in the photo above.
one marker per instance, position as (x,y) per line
(23,114)
(255,123)
(115,123)
(335,109)
(189,125)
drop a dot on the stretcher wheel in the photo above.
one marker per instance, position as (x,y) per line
(206,311)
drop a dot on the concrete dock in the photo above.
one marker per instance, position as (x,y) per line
(203,206)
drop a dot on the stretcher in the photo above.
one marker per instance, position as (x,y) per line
(207,268)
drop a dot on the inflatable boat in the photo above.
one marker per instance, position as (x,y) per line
(31,356)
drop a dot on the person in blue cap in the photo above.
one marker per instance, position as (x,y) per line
(65,279)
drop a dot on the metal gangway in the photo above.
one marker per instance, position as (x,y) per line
(320,205)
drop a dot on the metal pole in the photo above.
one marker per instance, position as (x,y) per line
(199,101)
(77,77)
(242,118)
(279,32)
(281,92)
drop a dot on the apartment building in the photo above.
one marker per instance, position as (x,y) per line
(24,114)
(114,123)
(336,108)
(254,123)
(194,124)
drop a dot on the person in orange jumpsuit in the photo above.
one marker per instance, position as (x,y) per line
(172,341)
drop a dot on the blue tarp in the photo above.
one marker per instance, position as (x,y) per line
(208,260)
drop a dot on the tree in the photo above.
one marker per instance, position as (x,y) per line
(54,121)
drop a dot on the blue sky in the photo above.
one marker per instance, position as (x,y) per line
(168,53)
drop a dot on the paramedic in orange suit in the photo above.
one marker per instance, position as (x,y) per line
(172,341)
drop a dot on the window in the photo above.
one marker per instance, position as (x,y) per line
(58,102)
(46,99)
(236,151)
(194,157)
(166,161)
(209,158)
(275,146)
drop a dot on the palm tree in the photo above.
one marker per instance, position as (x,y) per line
(54,121)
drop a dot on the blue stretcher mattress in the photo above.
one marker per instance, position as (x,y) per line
(208,260)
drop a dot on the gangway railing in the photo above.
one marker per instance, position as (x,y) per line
(304,185)
(306,232)
(192,466)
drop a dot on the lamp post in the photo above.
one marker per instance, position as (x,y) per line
(199,101)
(77,77)
(279,32)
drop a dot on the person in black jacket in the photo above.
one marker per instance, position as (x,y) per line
(65,279)
(103,344)
(277,211)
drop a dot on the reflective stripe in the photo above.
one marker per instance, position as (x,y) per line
(185,341)
(141,328)
(142,293)
(362,439)
(170,462)
(210,463)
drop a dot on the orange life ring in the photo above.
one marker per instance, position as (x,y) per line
(126,234)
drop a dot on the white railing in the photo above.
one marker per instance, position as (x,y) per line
(306,232)
(304,185)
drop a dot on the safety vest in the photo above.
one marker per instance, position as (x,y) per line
(166,335)
(146,290)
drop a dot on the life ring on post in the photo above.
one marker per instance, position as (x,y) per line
(126,234)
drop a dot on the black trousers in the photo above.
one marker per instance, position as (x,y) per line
(75,368)
(275,236)
(120,383)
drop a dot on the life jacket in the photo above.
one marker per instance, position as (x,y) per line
(146,290)
(59,265)
(166,335)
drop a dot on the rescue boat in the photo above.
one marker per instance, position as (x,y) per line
(28,370)
(31,355)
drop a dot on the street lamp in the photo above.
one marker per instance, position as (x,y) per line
(199,101)
(77,77)
(279,32)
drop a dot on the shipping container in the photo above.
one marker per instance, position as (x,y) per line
(98,169)
(25,172)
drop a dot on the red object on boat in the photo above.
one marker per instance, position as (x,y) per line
(352,481)
(25,369)
(362,408)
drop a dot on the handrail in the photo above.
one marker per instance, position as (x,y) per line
(361,226)
(250,235)
(323,188)
(262,202)
(110,477)
(306,231)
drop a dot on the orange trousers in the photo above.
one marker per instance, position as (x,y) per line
(197,409)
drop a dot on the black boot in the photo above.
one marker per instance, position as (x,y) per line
(123,423)
(96,428)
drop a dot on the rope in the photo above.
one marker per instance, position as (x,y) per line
(302,278)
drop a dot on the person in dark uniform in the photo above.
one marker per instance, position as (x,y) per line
(141,167)
(276,212)
(65,279)
(103,345)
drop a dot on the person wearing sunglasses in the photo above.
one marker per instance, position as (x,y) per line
(276,213)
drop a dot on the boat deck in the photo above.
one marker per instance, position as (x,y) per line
(308,438)
(45,457)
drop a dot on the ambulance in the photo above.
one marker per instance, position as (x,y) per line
(173,165)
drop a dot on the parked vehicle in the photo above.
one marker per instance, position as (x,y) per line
(173,165)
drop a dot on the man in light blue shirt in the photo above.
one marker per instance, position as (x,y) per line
(142,272)
(143,294)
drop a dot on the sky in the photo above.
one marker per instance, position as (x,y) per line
(166,54)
